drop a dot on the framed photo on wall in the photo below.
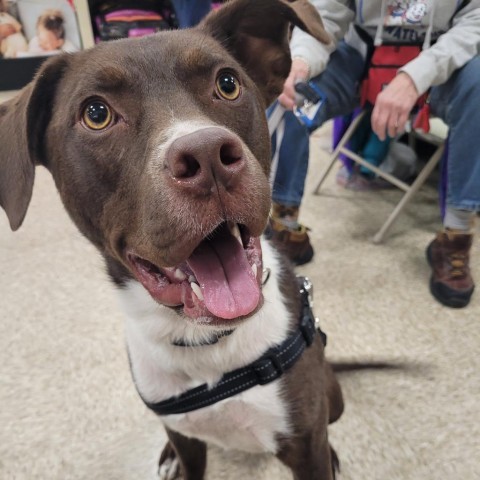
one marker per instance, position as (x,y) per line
(33,30)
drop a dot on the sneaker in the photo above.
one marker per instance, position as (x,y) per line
(294,243)
(448,255)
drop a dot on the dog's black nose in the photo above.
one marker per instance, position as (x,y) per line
(208,158)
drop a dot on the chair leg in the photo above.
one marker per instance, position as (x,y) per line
(336,153)
(419,181)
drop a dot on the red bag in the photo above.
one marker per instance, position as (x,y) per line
(384,65)
(422,120)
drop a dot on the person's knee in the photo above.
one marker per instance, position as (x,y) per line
(459,96)
(469,78)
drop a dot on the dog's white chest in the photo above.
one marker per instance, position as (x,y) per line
(249,422)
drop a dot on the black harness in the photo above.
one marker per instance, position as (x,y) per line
(270,366)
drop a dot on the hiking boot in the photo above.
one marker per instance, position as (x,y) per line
(293,242)
(448,255)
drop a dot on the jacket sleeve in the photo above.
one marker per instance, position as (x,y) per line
(337,16)
(452,50)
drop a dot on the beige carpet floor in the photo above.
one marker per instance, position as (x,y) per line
(68,409)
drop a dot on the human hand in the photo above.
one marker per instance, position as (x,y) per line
(393,106)
(299,71)
(6,30)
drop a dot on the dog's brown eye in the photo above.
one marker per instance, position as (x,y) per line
(228,86)
(97,115)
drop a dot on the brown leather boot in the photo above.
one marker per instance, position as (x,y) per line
(294,243)
(451,282)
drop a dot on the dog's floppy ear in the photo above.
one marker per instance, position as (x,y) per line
(23,121)
(256,32)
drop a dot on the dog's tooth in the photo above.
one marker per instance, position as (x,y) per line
(235,231)
(179,275)
(265,275)
(191,279)
(197,290)
(254,270)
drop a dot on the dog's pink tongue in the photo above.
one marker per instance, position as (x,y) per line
(228,284)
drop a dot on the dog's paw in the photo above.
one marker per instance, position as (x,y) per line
(335,464)
(168,465)
(170,470)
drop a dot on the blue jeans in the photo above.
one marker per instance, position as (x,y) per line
(189,12)
(457,102)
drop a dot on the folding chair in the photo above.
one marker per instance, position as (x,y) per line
(410,190)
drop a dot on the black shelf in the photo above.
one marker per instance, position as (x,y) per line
(15,73)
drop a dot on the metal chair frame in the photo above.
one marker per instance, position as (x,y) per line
(410,190)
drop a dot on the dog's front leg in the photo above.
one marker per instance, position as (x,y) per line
(182,457)
(310,456)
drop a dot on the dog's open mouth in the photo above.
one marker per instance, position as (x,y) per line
(221,278)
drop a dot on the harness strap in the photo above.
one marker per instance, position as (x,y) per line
(270,366)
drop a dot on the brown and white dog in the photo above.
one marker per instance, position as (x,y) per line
(160,151)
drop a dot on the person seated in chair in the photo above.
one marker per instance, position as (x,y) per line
(447,66)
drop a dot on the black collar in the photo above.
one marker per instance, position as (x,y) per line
(270,366)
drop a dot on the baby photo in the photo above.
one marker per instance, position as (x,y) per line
(12,39)
(50,37)
(37,28)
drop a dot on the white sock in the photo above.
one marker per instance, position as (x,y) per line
(459,219)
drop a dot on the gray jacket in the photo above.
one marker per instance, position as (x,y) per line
(449,31)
